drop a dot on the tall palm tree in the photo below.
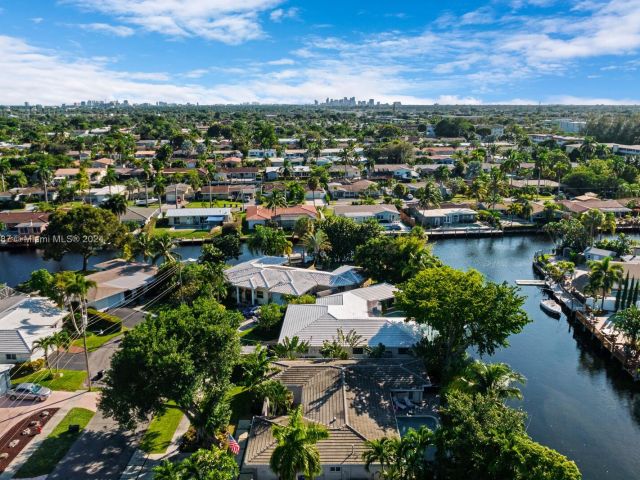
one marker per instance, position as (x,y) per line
(429,196)
(162,247)
(347,155)
(117,204)
(256,366)
(5,169)
(313,183)
(605,274)
(511,164)
(317,243)
(78,288)
(159,188)
(278,199)
(45,344)
(592,220)
(296,451)
(110,178)
(495,379)
(132,185)
(144,246)
(279,396)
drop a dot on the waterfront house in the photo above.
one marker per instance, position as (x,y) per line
(203,218)
(140,215)
(118,281)
(23,320)
(586,202)
(285,217)
(444,217)
(353,400)
(359,310)
(14,221)
(593,253)
(381,212)
(266,279)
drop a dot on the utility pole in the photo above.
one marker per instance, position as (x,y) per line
(84,342)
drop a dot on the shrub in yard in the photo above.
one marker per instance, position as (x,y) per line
(27,368)
(270,317)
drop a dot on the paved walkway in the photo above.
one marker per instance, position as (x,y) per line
(102,451)
(65,401)
(141,464)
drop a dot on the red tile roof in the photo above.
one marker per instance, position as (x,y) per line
(263,213)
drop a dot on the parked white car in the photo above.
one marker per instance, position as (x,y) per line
(29,391)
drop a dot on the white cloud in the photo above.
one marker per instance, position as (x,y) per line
(37,20)
(228,21)
(282,61)
(197,73)
(571,100)
(117,30)
(280,14)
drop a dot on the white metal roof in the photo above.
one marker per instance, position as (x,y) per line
(198,212)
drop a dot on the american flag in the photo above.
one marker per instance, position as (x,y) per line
(233,445)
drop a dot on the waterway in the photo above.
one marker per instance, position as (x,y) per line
(578,401)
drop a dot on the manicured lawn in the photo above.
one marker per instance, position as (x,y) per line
(216,204)
(240,399)
(161,430)
(95,341)
(70,381)
(182,232)
(56,445)
(254,335)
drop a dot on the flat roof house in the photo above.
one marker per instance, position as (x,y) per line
(198,217)
(353,400)
(439,217)
(228,192)
(23,320)
(359,310)
(360,213)
(118,281)
(285,217)
(353,190)
(266,279)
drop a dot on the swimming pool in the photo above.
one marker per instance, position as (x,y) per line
(405,423)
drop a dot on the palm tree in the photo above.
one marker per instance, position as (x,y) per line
(588,148)
(255,367)
(429,195)
(511,164)
(317,243)
(606,275)
(313,183)
(347,155)
(144,246)
(290,348)
(277,200)
(110,178)
(77,288)
(279,396)
(296,451)
(478,188)
(592,220)
(5,169)
(382,451)
(162,246)
(116,204)
(147,176)
(44,344)
(159,188)
(132,185)
(495,379)
(61,340)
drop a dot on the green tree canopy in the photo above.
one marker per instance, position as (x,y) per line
(185,355)
(84,230)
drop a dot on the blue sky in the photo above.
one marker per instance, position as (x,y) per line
(277,51)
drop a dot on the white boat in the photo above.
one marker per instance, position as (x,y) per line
(551,307)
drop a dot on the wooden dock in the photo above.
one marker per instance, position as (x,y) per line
(532,283)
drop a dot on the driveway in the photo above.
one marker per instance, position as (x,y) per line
(12,412)
(99,359)
(130,316)
(102,452)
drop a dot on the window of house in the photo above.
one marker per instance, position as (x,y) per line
(335,469)
(358,351)
(11,356)
(260,294)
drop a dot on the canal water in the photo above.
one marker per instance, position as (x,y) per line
(578,401)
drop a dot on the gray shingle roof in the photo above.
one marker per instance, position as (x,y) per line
(12,341)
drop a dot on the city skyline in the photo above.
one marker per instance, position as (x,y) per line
(272,51)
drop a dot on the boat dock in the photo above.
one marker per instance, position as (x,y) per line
(600,328)
(532,283)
